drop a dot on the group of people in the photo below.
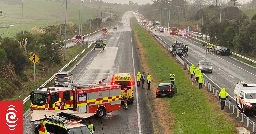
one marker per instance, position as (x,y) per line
(141,78)
(196,75)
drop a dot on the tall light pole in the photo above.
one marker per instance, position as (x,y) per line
(65,36)
(22,16)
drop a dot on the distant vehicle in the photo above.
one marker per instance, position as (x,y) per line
(205,66)
(223,51)
(245,97)
(174,31)
(178,49)
(115,28)
(99,44)
(62,78)
(161,29)
(166,89)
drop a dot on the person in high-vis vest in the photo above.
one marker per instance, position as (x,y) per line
(91,127)
(125,98)
(223,95)
(172,78)
(191,70)
(197,73)
(149,79)
(138,78)
(208,47)
(201,80)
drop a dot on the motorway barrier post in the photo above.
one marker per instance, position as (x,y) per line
(247,121)
(242,117)
(253,125)
(233,111)
(229,104)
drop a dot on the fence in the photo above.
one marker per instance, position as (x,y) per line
(214,88)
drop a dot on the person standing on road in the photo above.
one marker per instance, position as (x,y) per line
(149,80)
(172,78)
(125,98)
(191,70)
(138,78)
(223,95)
(201,80)
(197,73)
(142,79)
(91,127)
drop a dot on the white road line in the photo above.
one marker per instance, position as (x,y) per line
(131,39)
(137,96)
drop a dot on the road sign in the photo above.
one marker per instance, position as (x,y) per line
(34,58)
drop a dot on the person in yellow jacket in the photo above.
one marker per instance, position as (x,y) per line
(201,80)
(223,95)
(91,127)
(197,73)
(191,70)
(125,98)
(149,80)
(138,78)
(172,78)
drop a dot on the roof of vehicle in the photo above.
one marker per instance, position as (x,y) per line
(75,125)
(119,75)
(204,61)
(123,74)
(164,84)
(64,72)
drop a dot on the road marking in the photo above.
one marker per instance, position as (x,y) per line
(131,40)
(137,96)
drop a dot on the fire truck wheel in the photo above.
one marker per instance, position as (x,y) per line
(101,112)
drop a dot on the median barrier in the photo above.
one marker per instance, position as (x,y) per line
(212,87)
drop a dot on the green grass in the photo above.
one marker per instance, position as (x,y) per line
(38,13)
(250,12)
(192,111)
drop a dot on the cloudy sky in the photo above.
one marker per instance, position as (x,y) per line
(150,1)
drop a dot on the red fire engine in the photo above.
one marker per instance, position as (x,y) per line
(95,98)
(174,31)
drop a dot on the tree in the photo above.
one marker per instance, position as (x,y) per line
(15,54)
(3,58)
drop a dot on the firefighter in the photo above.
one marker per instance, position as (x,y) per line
(138,78)
(125,98)
(201,80)
(208,47)
(91,127)
(149,80)
(197,73)
(223,95)
(142,79)
(172,78)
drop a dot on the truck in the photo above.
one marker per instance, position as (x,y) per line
(245,97)
(98,99)
(174,31)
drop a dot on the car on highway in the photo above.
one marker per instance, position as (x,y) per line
(223,51)
(205,66)
(99,44)
(63,78)
(166,89)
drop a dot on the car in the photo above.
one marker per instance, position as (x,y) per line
(223,51)
(166,89)
(205,66)
(99,44)
(63,78)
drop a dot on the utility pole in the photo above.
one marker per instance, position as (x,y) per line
(220,17)
(22,16)
(65,38)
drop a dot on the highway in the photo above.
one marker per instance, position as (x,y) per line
(226,71)
(119,56)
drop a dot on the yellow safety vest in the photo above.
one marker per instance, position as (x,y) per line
(223,94)
(149,78)
(192,69)
(138,77)
(201,79)
(172,76)
(90,127)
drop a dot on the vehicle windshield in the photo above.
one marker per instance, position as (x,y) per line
(164,87)
(250,95)
(124,84)
(79,130)
(61,75)
(38,98)
(205,63)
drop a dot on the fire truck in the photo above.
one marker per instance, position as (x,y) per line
(104,30)
(174,31)
(98,99)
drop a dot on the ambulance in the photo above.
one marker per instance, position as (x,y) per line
(91,98)
(245,97)
(126,81)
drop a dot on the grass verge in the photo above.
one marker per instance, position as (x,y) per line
(190,110)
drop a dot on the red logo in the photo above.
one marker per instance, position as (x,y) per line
(11,117)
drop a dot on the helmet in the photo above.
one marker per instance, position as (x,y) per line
(242,82)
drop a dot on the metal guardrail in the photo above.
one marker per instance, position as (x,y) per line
(233,53)
(212,87)
(70,62)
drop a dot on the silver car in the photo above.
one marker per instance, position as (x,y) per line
(205,66)
(63,78)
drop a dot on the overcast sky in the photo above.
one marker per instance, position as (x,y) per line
(150,1)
